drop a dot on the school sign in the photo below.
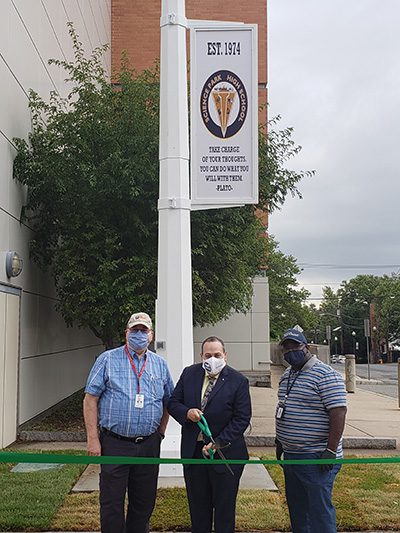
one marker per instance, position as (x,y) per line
(224,115)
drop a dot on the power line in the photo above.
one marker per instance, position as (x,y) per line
(323,283)
(348,267)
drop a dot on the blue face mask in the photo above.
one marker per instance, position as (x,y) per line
(295,357)
(138,340)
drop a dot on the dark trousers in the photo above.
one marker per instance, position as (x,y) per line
(309,495)
(139,480)
(211,492)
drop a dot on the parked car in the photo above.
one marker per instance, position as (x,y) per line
(337,358)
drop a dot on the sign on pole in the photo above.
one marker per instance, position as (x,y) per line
(329,333)
(224,115)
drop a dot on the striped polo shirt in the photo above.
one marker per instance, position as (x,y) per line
(113,380)
(313,391)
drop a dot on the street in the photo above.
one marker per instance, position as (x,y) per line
(386,373)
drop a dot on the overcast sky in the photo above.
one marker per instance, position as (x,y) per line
(334,75)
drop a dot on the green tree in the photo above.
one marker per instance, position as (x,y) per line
(386,302)
(276,149)
(353,300)
(355,297)
(91,170)
(328,314)
(286,299)
(358,298)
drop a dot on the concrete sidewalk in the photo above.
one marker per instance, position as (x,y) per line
(373,420)
(254,477)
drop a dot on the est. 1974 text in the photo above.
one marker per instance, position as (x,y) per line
(223,48)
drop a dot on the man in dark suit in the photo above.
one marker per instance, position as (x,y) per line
(222,394)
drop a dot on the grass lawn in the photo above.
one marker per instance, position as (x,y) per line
(29,501)
(366,497)
(256,510)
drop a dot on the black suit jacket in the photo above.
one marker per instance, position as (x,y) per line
(228,410)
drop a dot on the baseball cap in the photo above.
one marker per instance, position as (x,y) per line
(140,318)
(293,334)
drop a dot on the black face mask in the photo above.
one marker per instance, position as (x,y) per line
(295,357)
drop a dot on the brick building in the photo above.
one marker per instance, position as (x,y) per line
(136,29)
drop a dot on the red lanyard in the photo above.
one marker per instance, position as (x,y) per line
(132,362)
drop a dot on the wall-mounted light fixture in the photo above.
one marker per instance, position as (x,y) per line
(14,264)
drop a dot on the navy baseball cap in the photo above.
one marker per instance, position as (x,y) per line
(294,335)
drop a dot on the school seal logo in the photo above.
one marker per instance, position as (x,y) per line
(223,104)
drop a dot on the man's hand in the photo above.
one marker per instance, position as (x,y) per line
(194,414)
(162,428)
(278,449)
(93,446)
(327,454)
(206,447)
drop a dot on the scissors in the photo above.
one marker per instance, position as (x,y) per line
(203,425)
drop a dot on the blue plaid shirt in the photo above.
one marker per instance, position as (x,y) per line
(113,380)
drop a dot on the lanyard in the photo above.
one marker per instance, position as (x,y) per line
(309,364)
(289,385)
(132,362)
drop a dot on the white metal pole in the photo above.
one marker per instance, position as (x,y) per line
(174,322)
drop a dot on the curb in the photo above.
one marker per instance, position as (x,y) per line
(368,443)
(372,443)
(365,381)
(52,436)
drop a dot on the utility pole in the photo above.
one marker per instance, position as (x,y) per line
(374,329)
(367,332)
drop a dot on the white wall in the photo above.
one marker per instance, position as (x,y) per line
(246,336)
(54,360)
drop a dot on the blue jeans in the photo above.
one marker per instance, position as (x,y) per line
(309,495)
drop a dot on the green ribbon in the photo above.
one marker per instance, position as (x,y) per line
(16,457)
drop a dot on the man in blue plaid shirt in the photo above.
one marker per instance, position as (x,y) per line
(125,415)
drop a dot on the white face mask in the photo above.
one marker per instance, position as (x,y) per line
(214,365)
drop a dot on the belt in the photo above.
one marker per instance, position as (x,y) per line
(136,440)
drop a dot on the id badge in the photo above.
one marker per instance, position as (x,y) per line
(279,411)
(139,401)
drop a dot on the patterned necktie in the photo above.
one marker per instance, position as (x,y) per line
(210,386)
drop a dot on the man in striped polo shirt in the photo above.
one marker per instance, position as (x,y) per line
(310,418)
